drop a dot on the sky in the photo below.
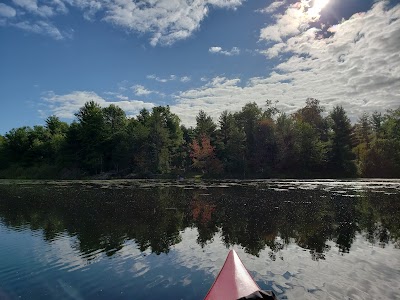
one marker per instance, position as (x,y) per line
(192,55)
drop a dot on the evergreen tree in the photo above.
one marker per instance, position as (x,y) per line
(231,145)
(265,153)
(115,146)
(205,126)
(248,119)
(341,157)
(3,153)
(287,146)
(382,158)
(92,136)
(56,126)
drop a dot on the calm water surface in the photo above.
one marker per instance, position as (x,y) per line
(168,240)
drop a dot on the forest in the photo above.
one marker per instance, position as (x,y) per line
(255,142)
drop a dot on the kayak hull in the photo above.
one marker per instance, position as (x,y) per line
(233,281)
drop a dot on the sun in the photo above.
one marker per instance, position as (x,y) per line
(315,10)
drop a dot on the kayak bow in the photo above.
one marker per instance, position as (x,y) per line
(233,281)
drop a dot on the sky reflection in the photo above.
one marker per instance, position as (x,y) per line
(304,240)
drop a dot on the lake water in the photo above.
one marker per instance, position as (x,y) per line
(167,239)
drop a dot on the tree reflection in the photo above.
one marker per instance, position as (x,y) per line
(103,218)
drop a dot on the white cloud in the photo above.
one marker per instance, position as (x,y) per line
(64,106)
(215,49)
(7,11)
(165,21)
(44,28)
(162,80)
(274,50)
(122,97)
(273,7)
(59,6)
(297,18)
(219,50)
(32,6)
(357,67)
(185,79)
(27,4)
(288,24)
(140,90)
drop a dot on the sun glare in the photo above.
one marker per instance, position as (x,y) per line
(315,10)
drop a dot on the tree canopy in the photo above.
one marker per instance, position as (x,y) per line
(253,142)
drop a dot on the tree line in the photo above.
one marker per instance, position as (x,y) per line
(253,142)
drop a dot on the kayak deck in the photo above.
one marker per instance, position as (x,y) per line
(233,281)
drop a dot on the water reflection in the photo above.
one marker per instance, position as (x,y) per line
(288,223)
(257,216)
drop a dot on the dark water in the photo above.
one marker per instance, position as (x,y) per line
(168,240)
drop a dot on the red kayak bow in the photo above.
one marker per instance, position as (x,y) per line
(233,281)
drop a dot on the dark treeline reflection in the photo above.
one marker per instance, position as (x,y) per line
(104,217)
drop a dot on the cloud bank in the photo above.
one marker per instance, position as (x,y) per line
(7,11)
(165,21)
(357,66)
(64,106)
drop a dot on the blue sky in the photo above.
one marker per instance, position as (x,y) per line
(203,54)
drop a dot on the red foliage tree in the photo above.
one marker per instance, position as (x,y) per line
(203,156)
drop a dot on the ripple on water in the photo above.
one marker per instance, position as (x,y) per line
(66,266)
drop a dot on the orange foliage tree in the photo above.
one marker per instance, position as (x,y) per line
(203,156)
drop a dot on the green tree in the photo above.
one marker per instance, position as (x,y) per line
(231,143)
(55,126)
(71,152)
(165,138)
(138,134)
(205,125)
(377,120)
(287,146)
(183,160)
(248,119)
(312,152)
(312,114)
(382,158)
(38,151)
(92,136)
(157,138)
(391,124)
(116,144)
(3,153)
(364,129)
(17,144)
(265,154)
(341,158)
(362,132)
(270,110)
(114,118)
